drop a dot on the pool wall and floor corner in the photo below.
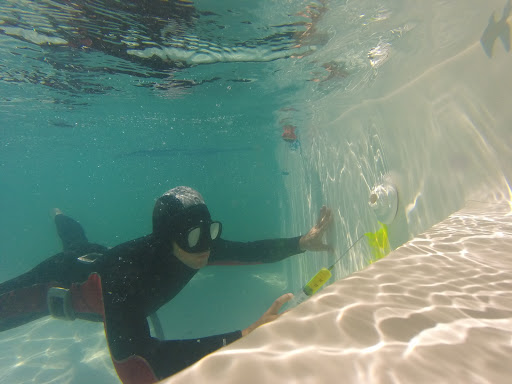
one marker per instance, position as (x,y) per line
(436,310)
(439,307)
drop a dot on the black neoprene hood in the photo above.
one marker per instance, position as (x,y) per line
(177,210)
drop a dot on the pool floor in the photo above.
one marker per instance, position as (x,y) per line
(438,309)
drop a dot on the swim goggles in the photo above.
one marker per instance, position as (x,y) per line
(199,237)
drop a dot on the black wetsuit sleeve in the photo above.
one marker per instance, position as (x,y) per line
(255,252)
(171,356)
(130,336)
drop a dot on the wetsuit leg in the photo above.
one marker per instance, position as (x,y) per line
(70,232)
(23,299)
(23,305)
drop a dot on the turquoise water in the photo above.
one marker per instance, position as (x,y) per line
(106,105)
(101,135)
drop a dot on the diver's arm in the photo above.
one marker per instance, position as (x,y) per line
(171,356)
(270,314)
(133,348)
(269,251)
(226,252)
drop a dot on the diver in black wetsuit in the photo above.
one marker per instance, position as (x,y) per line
(124,285)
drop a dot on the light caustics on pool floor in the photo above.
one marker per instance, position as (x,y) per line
(54,351)
(436,310)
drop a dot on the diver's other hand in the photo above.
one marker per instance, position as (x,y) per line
(312,241)
(270,315)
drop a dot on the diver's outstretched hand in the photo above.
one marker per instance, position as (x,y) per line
(270,315)
(312,241)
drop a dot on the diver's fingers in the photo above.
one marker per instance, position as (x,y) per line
(328,215)
(280,301)
(326,219)
(321,216)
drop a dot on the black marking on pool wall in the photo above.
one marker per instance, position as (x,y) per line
(497,30)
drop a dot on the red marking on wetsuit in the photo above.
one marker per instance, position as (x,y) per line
(25,300)
(89,298)
(134,370)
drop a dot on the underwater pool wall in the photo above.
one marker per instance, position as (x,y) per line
(436,118)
